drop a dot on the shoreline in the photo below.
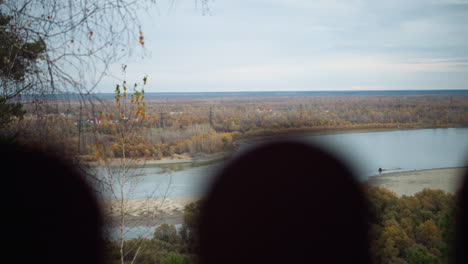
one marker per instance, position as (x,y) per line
(155,211)
(262,135)
(310,131)
(410,182)
(147,211)
(177,159)
(395,173)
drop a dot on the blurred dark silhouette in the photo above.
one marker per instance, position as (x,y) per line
(300,204)
(284,202)
(50,212)
(461,248)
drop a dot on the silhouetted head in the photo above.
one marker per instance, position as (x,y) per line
(51,213)
(284,202)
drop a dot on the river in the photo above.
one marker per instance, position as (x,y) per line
(400,150)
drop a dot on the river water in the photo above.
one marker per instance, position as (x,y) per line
(401,150)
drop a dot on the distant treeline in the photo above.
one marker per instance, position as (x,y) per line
(206,125)
(245,94)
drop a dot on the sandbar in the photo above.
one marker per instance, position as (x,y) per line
(155,211)
(411,182)
(147,212)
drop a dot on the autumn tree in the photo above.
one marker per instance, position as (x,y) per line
(19,58)
(411,229)
(190,227)
(166,233)
(117,177)
(51,46)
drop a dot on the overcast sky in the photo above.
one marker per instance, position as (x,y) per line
(291,45)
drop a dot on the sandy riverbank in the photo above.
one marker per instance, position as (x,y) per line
(411,182)
(148,212)
(155,211)
(203,158)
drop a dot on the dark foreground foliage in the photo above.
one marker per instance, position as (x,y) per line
(408,230)
(414,229)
